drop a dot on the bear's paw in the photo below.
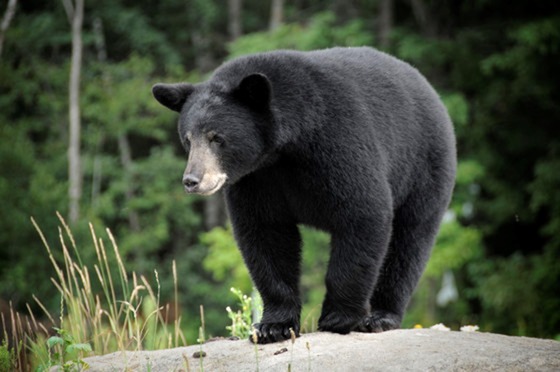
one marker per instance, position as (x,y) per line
(338,322)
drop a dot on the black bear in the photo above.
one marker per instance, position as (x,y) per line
(351,141)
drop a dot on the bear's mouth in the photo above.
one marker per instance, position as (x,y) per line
(213,188)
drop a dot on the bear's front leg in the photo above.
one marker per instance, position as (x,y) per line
(270,243)
(272,256)
(356,257)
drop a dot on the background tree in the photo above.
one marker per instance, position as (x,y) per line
(6,19)
(276,14)
(75,12)
(385,22)
(235,28)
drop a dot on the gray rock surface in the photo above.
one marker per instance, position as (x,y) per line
(400,350)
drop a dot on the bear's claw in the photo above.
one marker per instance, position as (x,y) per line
(379,321)
(265,333)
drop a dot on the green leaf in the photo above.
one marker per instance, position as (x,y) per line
(54,340)
(79,347)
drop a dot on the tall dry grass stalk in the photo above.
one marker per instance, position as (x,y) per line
(126,314)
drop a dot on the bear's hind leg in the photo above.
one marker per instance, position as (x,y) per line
(415,227)
(356,258)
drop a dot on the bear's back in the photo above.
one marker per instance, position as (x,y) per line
(360,96)
(356,64)
(356,76)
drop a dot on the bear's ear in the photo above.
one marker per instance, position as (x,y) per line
(255,91)
(172,96)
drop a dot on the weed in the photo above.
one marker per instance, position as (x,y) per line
(241,324)
(68,353)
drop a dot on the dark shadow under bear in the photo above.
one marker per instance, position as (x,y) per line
(348,140)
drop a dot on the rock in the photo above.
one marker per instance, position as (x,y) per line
(399,350)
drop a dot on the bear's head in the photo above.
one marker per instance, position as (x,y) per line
(225,131)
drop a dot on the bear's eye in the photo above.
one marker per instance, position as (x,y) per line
(215,138)
(186,143)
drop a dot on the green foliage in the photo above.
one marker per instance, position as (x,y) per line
(314,267)
(130,30)
(455,247)
(457,107)
(224,260)
(321,32)
(513,291)
(421,50)
(66,353)
(8,357)
(545,194)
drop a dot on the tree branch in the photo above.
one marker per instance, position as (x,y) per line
(6,20)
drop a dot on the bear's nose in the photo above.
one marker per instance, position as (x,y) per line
(191,182)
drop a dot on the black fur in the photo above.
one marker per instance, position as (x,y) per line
(348,140)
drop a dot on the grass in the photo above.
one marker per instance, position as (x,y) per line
(255,338)
(201,338)
(100,310)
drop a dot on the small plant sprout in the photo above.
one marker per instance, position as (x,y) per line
(241,324)
(68,352)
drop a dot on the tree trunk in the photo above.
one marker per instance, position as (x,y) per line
(99,38)
(385,22)
(74,157)
(422,15)
(276,14)
(97,173)
(8,16)
(235,28)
